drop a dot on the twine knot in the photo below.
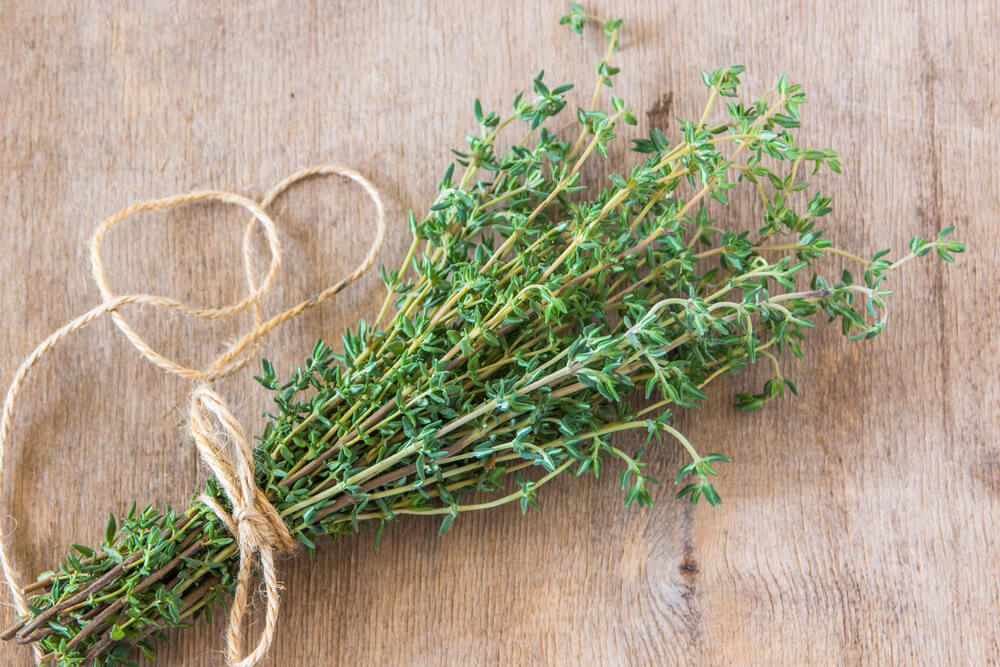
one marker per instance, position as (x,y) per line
(257,527)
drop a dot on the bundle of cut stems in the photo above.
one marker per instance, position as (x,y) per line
(526,310)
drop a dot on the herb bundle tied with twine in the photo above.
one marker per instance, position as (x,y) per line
(528,307)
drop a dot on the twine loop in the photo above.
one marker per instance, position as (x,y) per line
(258,529)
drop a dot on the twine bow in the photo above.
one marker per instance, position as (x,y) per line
(254,523)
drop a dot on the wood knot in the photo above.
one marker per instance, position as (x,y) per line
(688,568)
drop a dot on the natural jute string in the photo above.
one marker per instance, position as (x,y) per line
(254,522)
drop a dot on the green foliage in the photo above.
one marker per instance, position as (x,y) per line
(701,471)
(528,308)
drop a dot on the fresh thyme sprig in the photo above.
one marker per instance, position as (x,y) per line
(527,308)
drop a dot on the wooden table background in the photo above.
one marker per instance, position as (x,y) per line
(860,523)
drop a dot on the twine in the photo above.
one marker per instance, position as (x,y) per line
(254,523)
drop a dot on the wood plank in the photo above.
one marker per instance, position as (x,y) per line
(859,522)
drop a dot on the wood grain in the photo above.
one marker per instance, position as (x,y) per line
(861,522)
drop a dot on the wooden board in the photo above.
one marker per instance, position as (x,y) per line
(860,523)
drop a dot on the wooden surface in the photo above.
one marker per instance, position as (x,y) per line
(860,523)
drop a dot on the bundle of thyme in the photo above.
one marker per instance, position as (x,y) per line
(526,310)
